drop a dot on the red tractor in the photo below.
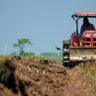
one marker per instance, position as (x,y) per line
(80,47)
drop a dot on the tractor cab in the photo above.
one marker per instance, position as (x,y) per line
(88,37)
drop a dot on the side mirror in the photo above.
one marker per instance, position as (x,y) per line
(58,48)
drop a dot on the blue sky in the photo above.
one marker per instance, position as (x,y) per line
(45,22)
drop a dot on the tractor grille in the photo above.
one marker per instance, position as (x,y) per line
(89,38)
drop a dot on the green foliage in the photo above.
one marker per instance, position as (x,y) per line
(13,54)
(28,54)
(51,55)
(21,44)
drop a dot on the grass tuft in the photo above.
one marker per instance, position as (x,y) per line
(89,69)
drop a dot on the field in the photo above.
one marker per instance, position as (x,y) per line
(34,76)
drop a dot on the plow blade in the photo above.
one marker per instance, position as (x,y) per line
(82,54)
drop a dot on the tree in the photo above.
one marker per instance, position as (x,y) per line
(21,44)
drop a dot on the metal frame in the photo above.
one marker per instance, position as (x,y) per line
(79,15)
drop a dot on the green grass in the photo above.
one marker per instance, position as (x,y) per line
(89,69)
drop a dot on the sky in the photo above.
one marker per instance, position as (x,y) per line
(45,22)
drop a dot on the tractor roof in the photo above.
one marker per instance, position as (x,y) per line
(84,14)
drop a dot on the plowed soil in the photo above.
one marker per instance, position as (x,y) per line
(33,78)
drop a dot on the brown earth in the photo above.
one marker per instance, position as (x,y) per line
(32,78)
